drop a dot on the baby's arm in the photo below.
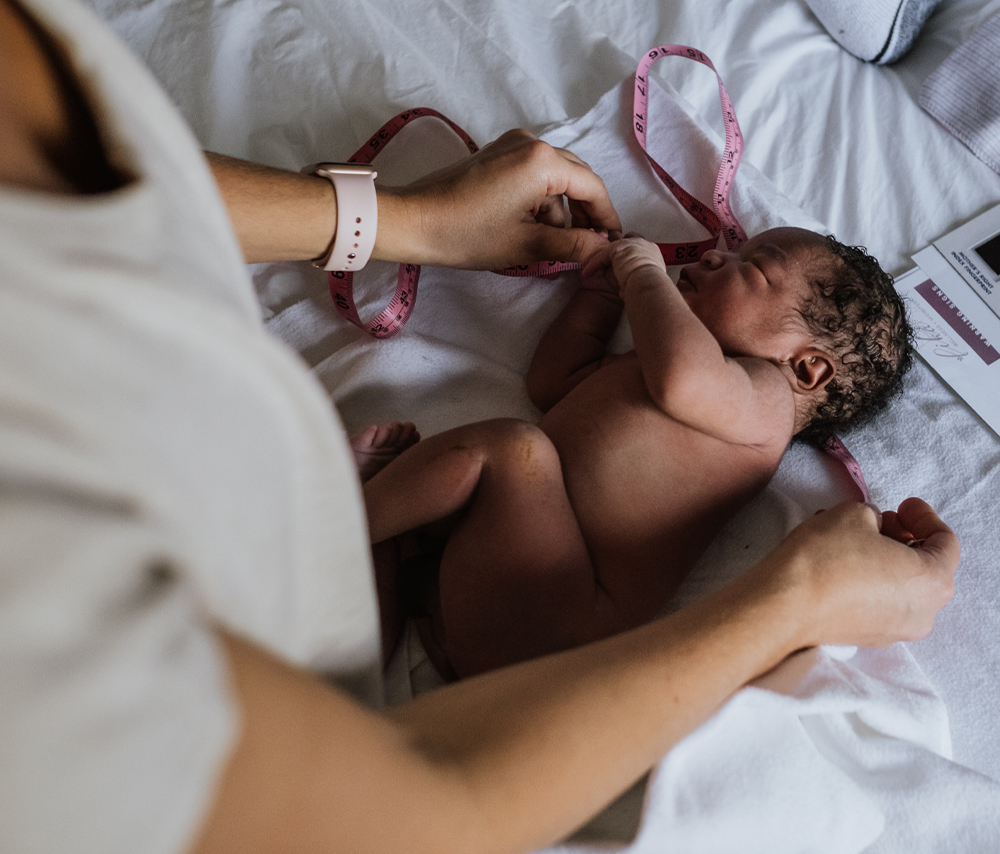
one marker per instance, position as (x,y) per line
(574,346)
(744,399)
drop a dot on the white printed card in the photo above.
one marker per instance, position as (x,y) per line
(956,334)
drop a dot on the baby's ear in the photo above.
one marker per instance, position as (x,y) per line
(813,369)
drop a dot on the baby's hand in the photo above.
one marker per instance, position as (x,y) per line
(620,259)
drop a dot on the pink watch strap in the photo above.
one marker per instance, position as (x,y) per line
(357,214)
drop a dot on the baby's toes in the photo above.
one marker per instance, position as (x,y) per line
(378,445)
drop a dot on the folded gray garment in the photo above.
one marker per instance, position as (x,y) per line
(964,93)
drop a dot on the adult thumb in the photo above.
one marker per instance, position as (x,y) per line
(567,244)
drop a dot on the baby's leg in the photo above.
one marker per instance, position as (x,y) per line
(379,444)
(516,579)
(374,448)
(432,480)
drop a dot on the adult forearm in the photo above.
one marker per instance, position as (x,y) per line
(277,215)
(516,758)
(583,725)
(280,215)
(500,206)
(506,762)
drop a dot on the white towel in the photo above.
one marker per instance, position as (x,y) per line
(964,93)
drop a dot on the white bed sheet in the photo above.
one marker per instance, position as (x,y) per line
(291,83)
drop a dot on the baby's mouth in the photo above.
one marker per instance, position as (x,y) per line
(683,277)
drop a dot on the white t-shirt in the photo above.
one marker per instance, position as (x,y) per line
(164,465)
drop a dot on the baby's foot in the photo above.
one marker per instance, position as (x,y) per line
(378,445)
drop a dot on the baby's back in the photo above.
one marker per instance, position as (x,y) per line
(649,492)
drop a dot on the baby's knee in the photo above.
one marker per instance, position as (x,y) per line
(527,448)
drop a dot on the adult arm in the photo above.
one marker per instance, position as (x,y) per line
(501,206)
(685,370)
(463,768)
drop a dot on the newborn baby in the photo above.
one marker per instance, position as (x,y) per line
(582,526)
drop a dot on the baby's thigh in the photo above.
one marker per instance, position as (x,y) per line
(516,578)
(520,518)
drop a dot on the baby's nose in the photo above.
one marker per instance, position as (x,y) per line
(713,259)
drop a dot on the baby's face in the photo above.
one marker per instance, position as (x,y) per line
(748,299)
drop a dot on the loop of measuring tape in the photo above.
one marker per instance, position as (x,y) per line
(392,318)
(722,220)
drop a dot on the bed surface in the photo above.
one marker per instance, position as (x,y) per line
(844,143)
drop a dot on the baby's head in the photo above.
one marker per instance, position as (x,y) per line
(858,317)
(825,312)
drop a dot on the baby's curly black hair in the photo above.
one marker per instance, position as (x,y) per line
(856,311)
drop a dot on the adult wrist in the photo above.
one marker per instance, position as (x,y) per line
(780,579)
(393,241)
(357,215)
(405,233)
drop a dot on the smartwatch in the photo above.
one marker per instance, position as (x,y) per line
(357,214)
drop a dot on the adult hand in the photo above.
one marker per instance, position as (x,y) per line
(501,206)
(859,582)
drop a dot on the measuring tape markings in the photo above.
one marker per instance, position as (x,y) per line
(722,219)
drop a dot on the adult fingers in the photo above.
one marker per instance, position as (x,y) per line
(566,244)
(569,155)
(598,260)
(938,540)
(920,518)
(586,190)
(848,515)
(892,527)
(936,550)
(881,590)
(579,216)
(552,212)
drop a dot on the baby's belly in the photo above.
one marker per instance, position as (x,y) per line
(644,487)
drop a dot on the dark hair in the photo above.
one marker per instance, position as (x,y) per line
(856,310)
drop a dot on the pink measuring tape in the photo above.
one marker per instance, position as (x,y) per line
(720,221)
(392,318)
(717,220)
